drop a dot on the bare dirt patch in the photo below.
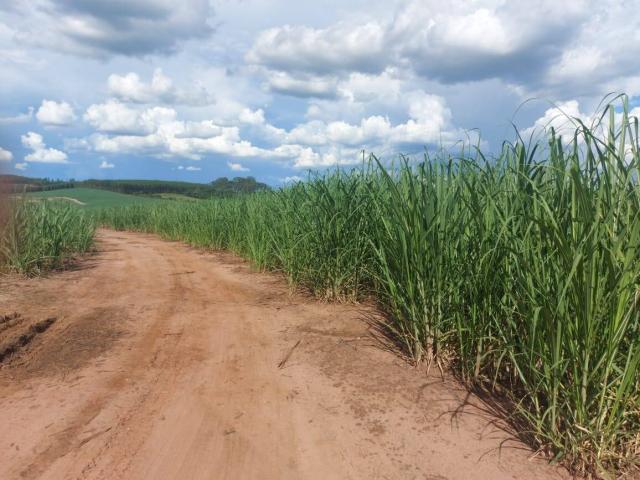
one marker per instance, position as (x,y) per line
(26,352)
(67,199)
(16,334)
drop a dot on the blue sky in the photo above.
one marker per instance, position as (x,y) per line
(198,89)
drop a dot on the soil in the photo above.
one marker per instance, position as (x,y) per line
(159,361)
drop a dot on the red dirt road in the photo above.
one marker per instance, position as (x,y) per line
(163,363)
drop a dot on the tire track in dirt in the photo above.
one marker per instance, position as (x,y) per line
(190,386)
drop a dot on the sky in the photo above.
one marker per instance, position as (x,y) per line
(198,89)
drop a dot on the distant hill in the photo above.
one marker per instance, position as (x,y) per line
(220,187)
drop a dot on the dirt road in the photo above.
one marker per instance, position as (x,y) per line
(163,362)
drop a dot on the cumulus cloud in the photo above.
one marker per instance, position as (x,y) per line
(429,122)
(461,42)
(5,155)
(301,156)
(191,168)
(593,62)
(21,166)
(252,117)
(130,88)
(307,158)
(33,141)
(20,118)
(55,113)
(302,85)
(341,47)
(561,117)
(157,131)
(539,46)
(189,139)
(388,86)
(169,137)
(115,117)
(567,117)
(105,164)
(102,28)
(237,167)
(40,152)
(316,143)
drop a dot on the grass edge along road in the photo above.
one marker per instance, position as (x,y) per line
(40,236)
(522,271)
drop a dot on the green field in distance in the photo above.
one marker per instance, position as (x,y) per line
(91,197)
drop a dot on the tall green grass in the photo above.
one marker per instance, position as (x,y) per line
(522,271)
(40,236)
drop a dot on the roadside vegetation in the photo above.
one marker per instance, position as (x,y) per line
(40,236)
(521,272)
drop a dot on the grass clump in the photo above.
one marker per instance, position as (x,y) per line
(523,269)
(36,237)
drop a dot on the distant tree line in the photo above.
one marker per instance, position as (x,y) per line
(19,184)
(221,187)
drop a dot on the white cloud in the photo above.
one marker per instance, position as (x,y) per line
(33,141)
(41,154)
(55,113)
(21,166)
(105,164)
(115,117)
(593,61)
(302,85)
(156,131)
(566,119)
(112,116)
(388,87)
(191,168)
(306,157)
(429,122)
(160,89)
(5,155)
(310,159)
(173,139)
(578,62)
(343,46)
(537,44)
(317,143)
(309,133)
(237,167)
(561,117)
(48,155)
(252,117)
(20,118)
(107,28)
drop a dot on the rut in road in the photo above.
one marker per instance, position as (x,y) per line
(166,362)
